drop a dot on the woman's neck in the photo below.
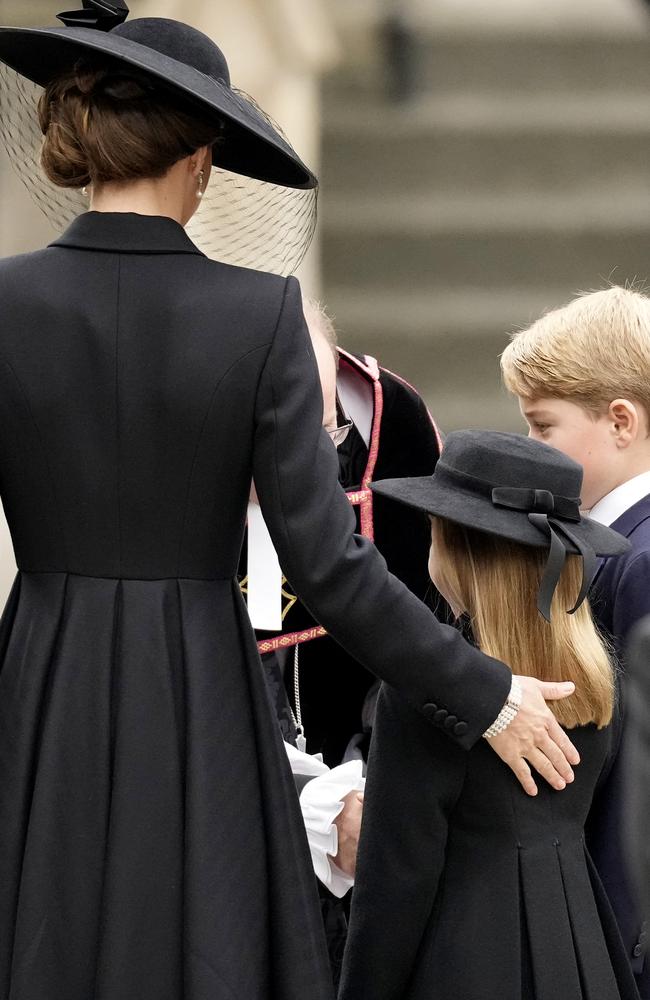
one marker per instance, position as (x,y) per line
(143,197)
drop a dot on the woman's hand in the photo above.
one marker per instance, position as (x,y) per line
(535,737)
(348,824)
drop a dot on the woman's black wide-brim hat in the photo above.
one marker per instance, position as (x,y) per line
(513,487)
(265,216)
(183,60)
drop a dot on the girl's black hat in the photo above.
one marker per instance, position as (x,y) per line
(513,487)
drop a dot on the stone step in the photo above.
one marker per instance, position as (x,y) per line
(458,377)
(511,17)
(522,212)
(517,176)
(469,143)
(448,61)
(432,315)
(447,343)
(556,241)
(462,409)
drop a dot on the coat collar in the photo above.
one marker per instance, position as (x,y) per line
(363,364)
(126,232)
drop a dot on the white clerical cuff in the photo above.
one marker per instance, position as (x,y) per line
(322,801)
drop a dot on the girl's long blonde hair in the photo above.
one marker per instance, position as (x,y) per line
(496,582)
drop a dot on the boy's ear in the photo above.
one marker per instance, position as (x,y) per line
(624,421)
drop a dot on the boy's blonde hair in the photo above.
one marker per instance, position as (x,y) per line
(592,351)
(496,582)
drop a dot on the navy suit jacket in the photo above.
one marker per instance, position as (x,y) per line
(638,723)
(620,597)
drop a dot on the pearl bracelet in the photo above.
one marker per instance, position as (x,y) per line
(507,713)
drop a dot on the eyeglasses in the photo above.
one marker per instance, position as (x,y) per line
(343,425)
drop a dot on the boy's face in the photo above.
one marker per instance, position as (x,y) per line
(583,436)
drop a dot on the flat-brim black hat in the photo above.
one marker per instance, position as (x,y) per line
(513,487)
(259,209)
(180,59)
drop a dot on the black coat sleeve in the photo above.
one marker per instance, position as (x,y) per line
(415,777)
(340,576)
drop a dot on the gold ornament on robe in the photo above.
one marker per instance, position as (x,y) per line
(288,601)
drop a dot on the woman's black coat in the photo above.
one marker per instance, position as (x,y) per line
(151,845)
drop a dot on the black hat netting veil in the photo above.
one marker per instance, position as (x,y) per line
(241,221)
(22,138)
(254,223)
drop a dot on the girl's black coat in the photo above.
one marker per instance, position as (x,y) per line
(467,888)
(151,846)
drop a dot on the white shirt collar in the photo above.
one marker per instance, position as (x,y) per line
(610,507)
(357,399)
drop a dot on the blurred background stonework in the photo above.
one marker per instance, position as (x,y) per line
(481,161)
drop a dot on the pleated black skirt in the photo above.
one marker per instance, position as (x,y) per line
(151,843)
(559,941)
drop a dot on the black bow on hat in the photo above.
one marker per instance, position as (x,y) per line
(101,14)
(550,513)
(516,488)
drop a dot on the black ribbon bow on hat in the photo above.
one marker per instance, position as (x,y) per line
(101,14)
(550,514)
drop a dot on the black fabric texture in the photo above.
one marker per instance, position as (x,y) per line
(467,887)
(353,458)
(620,600)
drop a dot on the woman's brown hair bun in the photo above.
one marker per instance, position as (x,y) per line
(102,124)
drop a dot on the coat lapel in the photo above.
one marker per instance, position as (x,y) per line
(627,523)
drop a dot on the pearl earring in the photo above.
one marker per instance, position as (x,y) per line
(199,193)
